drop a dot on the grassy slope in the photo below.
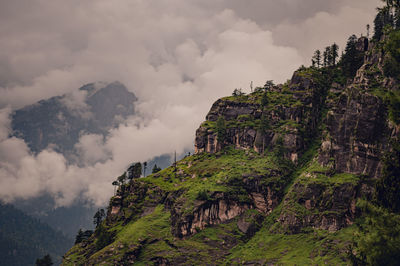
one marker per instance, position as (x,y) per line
(211,173)
(218,172)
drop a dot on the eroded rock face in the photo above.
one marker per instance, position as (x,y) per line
(357,134)
(358,129)
(221,207)
(205,214)
(321,206)
(305,110)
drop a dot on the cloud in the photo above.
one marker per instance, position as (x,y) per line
(177,56)
(24,175)
(323,28)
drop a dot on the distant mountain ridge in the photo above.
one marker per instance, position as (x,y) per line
(23,239)
(60,121)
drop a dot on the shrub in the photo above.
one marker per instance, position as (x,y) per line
(202,195)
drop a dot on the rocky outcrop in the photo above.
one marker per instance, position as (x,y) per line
(321,205)
(205,213)
(357,134)
(291,122)
(225,206)
(357,124)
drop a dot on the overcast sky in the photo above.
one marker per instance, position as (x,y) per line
(177,56)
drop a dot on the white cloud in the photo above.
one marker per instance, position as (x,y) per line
(323,29)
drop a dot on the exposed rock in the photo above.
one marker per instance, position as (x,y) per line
(205,214)
(357,125)
(306,113)
(221,207)
(321,205)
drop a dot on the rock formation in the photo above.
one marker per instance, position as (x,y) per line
(275,171)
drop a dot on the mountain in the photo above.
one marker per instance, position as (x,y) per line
(23,239)
(68,219)
(302,173)
(62,119)
(59,122)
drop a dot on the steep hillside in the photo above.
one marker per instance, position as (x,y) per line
(279,176)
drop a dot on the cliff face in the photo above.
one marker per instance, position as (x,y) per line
(283,165)
(292,112)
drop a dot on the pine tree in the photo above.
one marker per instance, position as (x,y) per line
(269,85)
(122,178)
(156,169)
(334,53)
(135,170)
(317,58)
(98,217)
(45,261)
(325,59)
(328,56)
(352,59)
(79,237)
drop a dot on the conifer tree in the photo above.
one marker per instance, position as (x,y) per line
(156,169)
(79,237)
(98,217)
(334,53)
(269,84)
(328,56)
(325,59)
(317,58)
(383,18)
(45,261)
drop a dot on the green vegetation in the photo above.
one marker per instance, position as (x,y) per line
(221,130)
(104,237)
(392,56)
(377,240)
(317,247)
(388,186)
(45,261)
(155,169)
(352,59)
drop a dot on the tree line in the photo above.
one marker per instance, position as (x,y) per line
(387,16)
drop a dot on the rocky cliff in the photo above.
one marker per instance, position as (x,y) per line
(275,178)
